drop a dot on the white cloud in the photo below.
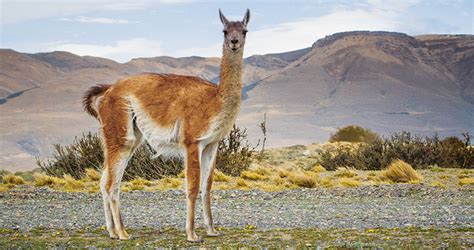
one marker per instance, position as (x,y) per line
(214,50)
(102,20)
(121,51)
(14,11)
(302,33)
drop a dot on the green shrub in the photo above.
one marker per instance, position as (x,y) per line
(420,152)
(86,153)
(234,153)
(353,133)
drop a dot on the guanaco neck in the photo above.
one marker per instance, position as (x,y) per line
(230,86)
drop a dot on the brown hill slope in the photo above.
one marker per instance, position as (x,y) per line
(384,81)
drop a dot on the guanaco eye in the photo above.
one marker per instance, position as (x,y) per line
(225,32)
(244,32)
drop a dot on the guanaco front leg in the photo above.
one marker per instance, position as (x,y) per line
(192,189)
(208,160)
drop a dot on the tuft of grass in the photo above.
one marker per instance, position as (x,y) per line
(400,171)
(326,182)
(444,176)
(46,180)
(72,185)
(92,174)
(318,168)
(13,179)
(283,173)
(344,172)
(3,188)
(438,184)
(348,182)
(250,175)
(303,179)
(169,183)
(436,169)
(262,171)
(220,177)
(241,183)
(277,180)
(466,181)
(139,183)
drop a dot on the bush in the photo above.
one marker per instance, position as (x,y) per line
(353,133)
(85,155)
(420,152)
(234,153)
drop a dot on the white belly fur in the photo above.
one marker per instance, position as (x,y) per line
(164,140)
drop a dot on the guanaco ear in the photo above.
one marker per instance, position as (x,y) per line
(224,20)
(246,18)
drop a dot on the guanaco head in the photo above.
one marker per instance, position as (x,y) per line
(234,32)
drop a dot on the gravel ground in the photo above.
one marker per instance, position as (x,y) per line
(386,206)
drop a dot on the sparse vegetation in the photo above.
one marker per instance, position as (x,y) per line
(420,152)
(318,168)
(466,181)
(344,172)
(438,184)
(400,171)
(234,153)
(84,157)
(353,133)
(302,179)
(13,179)
(349,182)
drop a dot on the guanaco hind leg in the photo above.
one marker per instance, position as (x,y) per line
(121,138)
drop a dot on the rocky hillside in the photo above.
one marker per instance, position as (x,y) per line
(380,80)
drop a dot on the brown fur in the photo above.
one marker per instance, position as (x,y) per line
(90,97)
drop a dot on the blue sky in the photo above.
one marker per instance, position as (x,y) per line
(121,30)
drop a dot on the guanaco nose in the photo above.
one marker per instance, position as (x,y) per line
(234,41)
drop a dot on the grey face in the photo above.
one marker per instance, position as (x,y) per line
(235,32)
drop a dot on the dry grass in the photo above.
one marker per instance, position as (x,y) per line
(92,174)
(139,184)
(3,188)
(438,184)
(283,173)
(348,182)
(303,179)
(318,168)
(344,172)
(400,171)
(241,183)
(250,175)
(220,177)
(73,185)
(46,180)
(169,183)
(466,181)
(13,179)
(436,169)
(326,182)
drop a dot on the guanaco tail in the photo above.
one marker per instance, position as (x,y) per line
(176,115)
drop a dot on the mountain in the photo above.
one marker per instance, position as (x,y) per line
(380,80)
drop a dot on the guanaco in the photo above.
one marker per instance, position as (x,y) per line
(176,115)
